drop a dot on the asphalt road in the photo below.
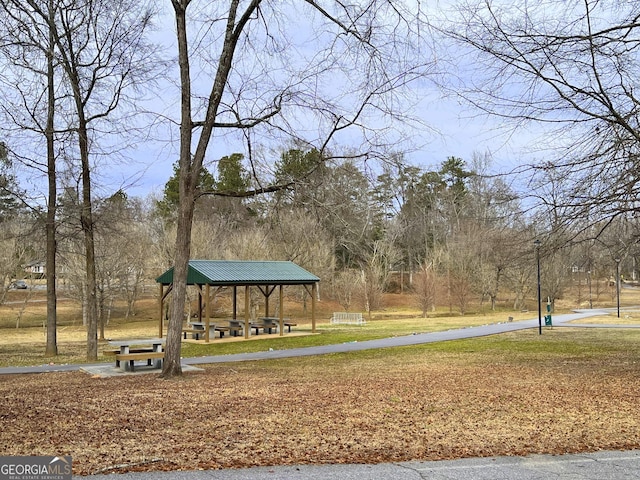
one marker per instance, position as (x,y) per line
(586,466)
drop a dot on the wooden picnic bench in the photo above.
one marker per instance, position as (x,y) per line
(289,325)
(275,323)
(195,333)
(232,329)
(267,324)
(129,351)
(198,332)
(221,330)
(235,327)
(132,357)
(259,326)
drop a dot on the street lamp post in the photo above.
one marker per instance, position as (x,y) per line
(618,284)
(589,279)
(537,244)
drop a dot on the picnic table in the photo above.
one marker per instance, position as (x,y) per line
(128,351)
(235,326)
(268,323)
(197,330)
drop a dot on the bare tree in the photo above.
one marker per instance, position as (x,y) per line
(14,249)
(301,239)
(425,288)
(265,80)
(28,47)
(121,260)
(381,259)
(52,192)
(345,284)
(99,46)
(492,215)
(572,67)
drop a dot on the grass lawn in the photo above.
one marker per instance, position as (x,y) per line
(26,345)
(23,319)
(569,390)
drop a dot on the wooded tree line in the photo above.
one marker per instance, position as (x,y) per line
(333,97)
(460,238)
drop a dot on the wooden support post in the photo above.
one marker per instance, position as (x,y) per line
(246,310)
(313,308)
(281,315)
(199,288)
(161,305)
(235,302)
(208,314)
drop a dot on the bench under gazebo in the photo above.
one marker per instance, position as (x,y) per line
(265,275)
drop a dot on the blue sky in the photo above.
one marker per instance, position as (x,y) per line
(447,128)
(454,130)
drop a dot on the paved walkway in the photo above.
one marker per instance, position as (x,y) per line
(416,339)
(404,340)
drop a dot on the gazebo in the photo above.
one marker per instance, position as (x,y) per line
(265,275)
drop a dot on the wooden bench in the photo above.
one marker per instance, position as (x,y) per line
(264,327)
(131,357)
(195,332)
(131,350)
(235,330)
(274,326)
(257,327)
(221,330)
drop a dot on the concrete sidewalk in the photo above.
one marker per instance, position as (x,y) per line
(586,466)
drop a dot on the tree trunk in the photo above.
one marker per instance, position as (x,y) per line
(172,366)
(71,67)
(52,341)
(101,311)
(496,289)
(190,165)
(86,220)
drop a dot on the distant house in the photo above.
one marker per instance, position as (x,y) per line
(35,269)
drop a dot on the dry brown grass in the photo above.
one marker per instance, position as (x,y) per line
(514,394)
(26,345)
(569,390)
(627,317)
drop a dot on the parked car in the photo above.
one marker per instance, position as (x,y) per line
(19,284)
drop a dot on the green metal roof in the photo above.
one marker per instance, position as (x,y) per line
(242,272)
